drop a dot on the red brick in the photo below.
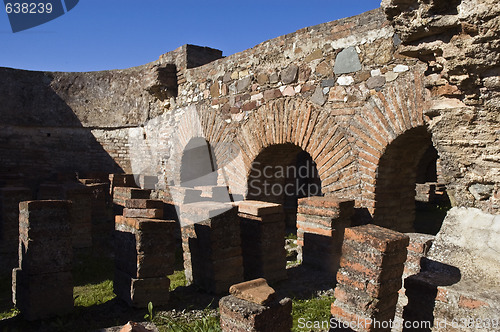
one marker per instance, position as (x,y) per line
(380,238)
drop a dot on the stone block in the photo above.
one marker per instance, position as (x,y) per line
(45,236)
(379,238)
(42,296)
(240,315)
(143,213)
(258,208)
(144,204)
(255,291)
(139,292)
(347,61)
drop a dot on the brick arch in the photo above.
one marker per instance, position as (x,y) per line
(389,122)
(200,123)
(300,123)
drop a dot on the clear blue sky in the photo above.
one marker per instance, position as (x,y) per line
(115,34)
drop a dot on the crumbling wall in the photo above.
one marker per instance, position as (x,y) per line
(459,42)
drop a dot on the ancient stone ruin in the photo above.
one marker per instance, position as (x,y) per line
(345,132)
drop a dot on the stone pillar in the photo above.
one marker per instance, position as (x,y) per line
(252,306)
(212,245)
(144,255)
(9,226)
(321,222)
(263,240)
(42,285)
(369,277)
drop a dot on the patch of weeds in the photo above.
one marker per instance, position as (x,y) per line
(291,236)
(93,294)
(150,315)
(316,309)
(177,279)
(209,322)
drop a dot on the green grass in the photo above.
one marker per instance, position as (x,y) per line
(93,294)
(311,310)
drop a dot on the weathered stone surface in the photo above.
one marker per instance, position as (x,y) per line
(262,79)
(347,61)
(258,208)
(134,327)
(375,82)
(256,291)
(243,84)
(289,74)
(237,315)
(318,96)
(345,80)
(468,241)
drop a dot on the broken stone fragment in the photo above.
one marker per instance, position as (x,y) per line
(256,291)
(347,61)
(134,327)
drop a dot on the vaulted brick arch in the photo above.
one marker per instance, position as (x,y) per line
(204,124)
(304,125)
(391,136)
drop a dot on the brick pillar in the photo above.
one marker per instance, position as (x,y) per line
(9,226)
(252,306)
(144,255)
(321,222)
(369,277)
(42,285)
(263,240)
(212,245)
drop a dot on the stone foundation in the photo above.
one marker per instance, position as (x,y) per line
(263,240)
(369,277)
(321,222)
(42,285)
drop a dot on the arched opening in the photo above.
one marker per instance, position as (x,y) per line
(407,167)
(282,174)
(431,199)
(198,164)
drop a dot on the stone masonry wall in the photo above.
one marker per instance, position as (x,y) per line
(459,43)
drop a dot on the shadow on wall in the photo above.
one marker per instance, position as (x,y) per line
(40,134)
